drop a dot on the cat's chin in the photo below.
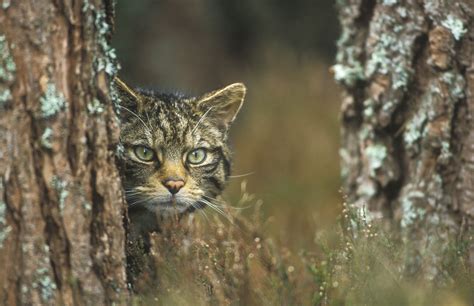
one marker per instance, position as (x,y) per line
(166,211)
(169,207)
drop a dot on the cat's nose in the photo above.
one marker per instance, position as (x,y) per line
(173,185)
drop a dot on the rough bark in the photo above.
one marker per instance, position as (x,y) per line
(61,208)
(407,69)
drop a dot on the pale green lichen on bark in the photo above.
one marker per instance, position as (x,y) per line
(348,69)
(376,155)
(344,155)
(422,205)
(394,38)
(368,109)
(7,71)
(410,212)
(106,58)
(5,229)
(367,189)
(445,154)
(114,95)
(416,128)
(52,101)
(348,75)
(6,4)
(389,2)
(86,6)
(95,107)
(120,150)
(43,280)
(389,56)
(424,200)
(61,188)
(46,138)
(402,11)
(24,289)
(413,131)
(108,61)
(87,206)
(366,132)
(456,84)
(455,25)
(5,96)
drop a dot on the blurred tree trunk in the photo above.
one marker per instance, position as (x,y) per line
(61,232)
(407,68)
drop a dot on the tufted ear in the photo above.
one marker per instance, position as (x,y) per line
(222,105)
(130,101)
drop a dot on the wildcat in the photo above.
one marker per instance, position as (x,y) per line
(174,157)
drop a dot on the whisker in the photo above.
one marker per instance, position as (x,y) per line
(148,118)
(145,198)
(140,200)
(211,198)
(241,175)
(133,192)
(217,209)
(201,119)
(223,205)
(133,113)
(201,211)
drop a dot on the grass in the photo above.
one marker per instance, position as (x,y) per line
(231,261)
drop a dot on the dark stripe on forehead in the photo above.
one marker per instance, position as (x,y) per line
(185,132)
(175,123)
(161,127)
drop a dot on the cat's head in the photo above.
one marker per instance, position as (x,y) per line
(174,153)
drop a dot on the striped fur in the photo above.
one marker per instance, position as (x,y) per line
(171,126)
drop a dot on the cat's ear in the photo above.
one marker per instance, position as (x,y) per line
(130,100)
(222,105)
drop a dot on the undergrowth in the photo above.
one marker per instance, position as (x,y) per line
(211,260)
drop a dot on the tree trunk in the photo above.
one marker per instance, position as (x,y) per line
(61,208)
(407,69)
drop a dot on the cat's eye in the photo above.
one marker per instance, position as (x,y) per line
(196,156)
(144,153)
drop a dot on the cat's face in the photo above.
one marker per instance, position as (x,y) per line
(174,155)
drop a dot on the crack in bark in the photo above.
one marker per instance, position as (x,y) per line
(97,233)
(54,232)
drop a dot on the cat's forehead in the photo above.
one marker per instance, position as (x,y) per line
(173,130)
(171,124)
(168,105)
